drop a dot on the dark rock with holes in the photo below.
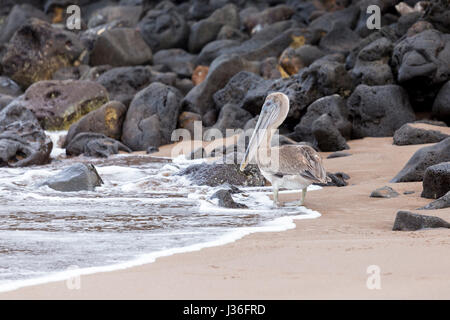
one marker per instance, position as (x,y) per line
(107,120)
(257,21)
(338,154)
(151,117)
(71,73)
(230,33)
(78,177)
(378,111)
(164,28)
(94,145)
(123,83)
(327,135)
(120,47)
(411,133)
(23,142)
(437,13)
(340,39)
(213,50)
(408,221)
(326,21)
(423,158)
(226,200)
(423,58)
(335,107)
(129,14)
(9,87)
(58,104)
(90,36)
(215,174)
(17,17)
(372,63)
(176,60)
(384,192)
(200,98)
(232,117)
(206,30)
(441,203)
(436,181)
(37,50)
(441,105)
(294,59)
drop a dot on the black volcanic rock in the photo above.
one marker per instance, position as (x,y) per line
(436,181)
(407,221)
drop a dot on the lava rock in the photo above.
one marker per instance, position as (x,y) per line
(213,50)
(411,133)
(423,158)
(120,47)
(58,104)
(151,117)
(436,181)
(230,33)
(37,50)
(258,21)
(441,105)
(226,200)
(94,145)
(176,60)
(214,175)
(294,59)
(78,177)
(327,135)
(408,221)
(379,110)
(423,58)
(124,82)
(384,192)
(335,107)
(129,14)
(206,30)
(340,39)
(164,28)
(187,120)
(107,120)
(23,142)
(232,117)
(71,73)
(441,203)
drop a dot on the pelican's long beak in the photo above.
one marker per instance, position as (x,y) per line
(260,133)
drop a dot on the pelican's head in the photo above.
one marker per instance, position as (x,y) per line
(273,113)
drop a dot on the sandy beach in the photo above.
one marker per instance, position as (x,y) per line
(324,258)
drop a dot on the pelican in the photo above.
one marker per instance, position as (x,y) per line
(287,166)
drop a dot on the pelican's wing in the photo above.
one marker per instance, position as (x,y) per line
(301,160)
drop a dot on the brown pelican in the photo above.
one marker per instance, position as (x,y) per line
(287,166)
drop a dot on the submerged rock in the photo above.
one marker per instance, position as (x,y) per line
(411,133)
(384,192)
(408,221)
(23,142)
(436,181)
(94,145)
(441,203)
(423,158)
(58,104)
(79,177)
(226,200)
(215,174)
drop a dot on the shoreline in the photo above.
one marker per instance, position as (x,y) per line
(324,258)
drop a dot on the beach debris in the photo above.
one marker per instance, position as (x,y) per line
(338,154)
(384,192)
(226,200)
(414,169)
(436,181)
(441,203)
(23,142)
(411,133)
(408,221)
(215,174)
(94,145)
(78,177)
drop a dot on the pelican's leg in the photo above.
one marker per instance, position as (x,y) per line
(302,201)
(275,197)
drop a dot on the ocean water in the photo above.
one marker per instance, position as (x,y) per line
(142,212)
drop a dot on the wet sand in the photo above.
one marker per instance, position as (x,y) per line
(325,258)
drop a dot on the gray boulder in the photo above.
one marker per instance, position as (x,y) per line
(232,117)
(411,133)
(441,203)
(407,221)
(441,105)
(94,145)
(327,135)
(379,110)
(78,177)
(436,181)
(384,192)
(151,117)
(423,158)
(176,60)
